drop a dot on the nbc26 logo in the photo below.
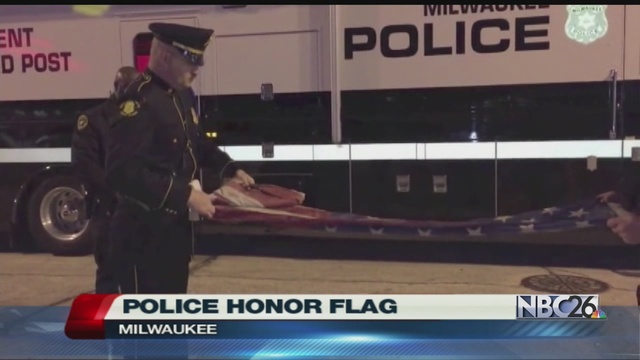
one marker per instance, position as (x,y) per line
(558,306)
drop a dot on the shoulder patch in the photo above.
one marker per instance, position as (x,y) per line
(129,108)
(194,116)
(82,122)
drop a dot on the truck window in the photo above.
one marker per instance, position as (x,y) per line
(142,50)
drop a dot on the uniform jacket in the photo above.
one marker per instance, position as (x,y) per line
(88,150)
(156,146)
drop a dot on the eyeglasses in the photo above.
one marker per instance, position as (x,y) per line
(191,57)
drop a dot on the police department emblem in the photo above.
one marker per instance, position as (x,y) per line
(129,108)
(83,121)
(194,116)
(586,23)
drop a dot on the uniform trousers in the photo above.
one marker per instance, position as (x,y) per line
(106,282)
(152,253)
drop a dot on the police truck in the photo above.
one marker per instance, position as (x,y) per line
(443,112)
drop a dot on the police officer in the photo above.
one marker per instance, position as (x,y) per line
(88,159)
(155,149)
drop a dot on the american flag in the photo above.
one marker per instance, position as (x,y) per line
(273,206)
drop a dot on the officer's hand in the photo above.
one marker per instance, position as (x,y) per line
(243,178)
(627,227)
(605,197)
(202,203)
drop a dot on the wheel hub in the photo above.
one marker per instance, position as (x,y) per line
(62,213)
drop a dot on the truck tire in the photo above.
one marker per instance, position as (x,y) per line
(56,217)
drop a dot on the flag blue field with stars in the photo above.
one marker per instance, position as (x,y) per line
(579,215)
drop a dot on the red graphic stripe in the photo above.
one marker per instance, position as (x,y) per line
(86,318)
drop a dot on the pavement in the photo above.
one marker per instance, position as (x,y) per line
(45,280)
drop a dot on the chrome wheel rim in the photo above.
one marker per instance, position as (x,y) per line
(62,213)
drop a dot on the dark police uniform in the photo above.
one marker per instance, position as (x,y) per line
(88,160)
(155,149)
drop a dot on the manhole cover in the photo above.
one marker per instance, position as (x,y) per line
(564,284)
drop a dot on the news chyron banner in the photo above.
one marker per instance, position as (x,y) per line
(313,316)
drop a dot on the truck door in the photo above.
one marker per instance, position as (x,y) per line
(266,88)
(549,131)
(630,95)
(136,42)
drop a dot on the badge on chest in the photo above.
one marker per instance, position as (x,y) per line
(129,108)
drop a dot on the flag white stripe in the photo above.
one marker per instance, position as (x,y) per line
(518,150)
